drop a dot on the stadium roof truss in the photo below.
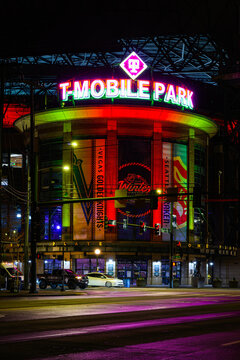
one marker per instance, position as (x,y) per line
(196,57)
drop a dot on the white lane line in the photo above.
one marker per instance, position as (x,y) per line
(231,343)
(113,327)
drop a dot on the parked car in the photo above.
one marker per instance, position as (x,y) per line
(55,279)
(100,279)
(10,277)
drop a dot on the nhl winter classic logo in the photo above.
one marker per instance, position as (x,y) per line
(133,65)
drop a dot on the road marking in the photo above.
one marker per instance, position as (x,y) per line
(231,343)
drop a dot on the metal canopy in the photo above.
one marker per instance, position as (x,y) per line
(195,57)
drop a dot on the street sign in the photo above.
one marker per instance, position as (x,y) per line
(165,230)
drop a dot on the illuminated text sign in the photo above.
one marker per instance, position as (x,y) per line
(127,89)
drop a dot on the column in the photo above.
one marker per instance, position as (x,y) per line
(66,180)
(191,184)
(111,173)
(157,174)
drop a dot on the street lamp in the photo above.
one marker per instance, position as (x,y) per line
(74,144)
(97,253)
(66,167)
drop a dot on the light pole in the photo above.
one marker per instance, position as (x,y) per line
(97,253)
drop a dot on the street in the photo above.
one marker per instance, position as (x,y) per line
(135,323)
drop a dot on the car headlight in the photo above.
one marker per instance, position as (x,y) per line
(79,277)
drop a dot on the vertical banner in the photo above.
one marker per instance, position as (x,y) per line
(83,188)
(134,175)
(99,189)
(180,181)
(167,182)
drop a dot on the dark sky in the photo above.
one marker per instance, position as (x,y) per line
(43,27)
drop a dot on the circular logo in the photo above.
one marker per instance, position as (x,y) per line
(136,179)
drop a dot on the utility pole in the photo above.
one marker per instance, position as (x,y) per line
(171,249)
(26,232)
(1,129)
(33,197)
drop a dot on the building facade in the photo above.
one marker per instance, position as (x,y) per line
(129,137)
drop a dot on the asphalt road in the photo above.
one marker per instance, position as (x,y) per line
(122,324)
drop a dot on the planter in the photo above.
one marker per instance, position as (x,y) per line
(217,283)
(141,282)
(198,282)
(233,283)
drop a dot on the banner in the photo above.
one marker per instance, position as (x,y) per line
(180,180)
(134,175)
(99,189)
(167,182)
(83,188)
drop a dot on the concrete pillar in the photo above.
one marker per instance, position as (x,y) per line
(191,185)
(157,173)
(111,173)
(67,184)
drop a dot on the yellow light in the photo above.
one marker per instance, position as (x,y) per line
(66,167)
(159,191)
(97,251)
(74,143)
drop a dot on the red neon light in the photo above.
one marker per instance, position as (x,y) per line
(12,112)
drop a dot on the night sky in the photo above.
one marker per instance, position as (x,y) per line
(42,27)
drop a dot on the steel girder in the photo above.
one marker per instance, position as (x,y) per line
(196,57)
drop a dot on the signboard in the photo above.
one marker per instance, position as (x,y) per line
(133,66)
(126,89)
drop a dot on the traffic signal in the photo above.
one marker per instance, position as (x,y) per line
(174,221)
(106,223)
(125,223)
(179,249)
(157,229)
(143,227)
(112,222)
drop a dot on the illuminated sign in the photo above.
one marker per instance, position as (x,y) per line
(133,65)
(134,183)
(127,89)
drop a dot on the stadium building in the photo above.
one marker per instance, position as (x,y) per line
(136,144)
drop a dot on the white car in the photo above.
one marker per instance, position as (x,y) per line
(100,279)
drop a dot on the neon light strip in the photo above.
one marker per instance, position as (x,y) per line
(127,89)
(166,116)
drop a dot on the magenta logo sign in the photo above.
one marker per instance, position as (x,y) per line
(133,65)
